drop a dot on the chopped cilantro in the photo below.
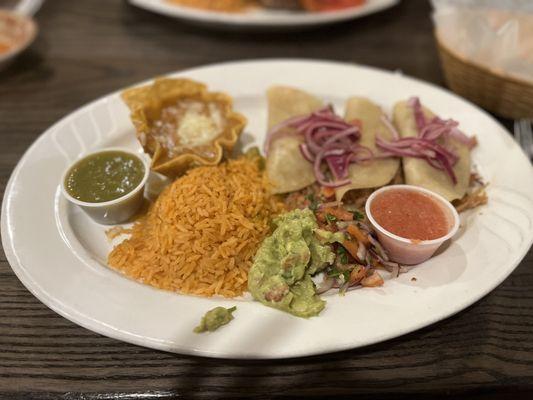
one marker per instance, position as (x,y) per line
(331,218)
(343,256)
(313,203)
(334,272)
(346,275)
(358,215)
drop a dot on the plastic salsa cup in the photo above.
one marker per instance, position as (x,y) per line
(405,250)
(114,211)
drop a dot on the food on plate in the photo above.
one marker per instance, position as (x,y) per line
(284,157)
(286,102)
(359,256)
(362,151)
(373,123)
(214,319)
(410,214)
(182,125)
(280,276)
(5,47)
(15,31)
(326,209)
(337,153)
(108,185)
(436,154)
(329,241)
(216,5)
(104,176)
(475,195)
(330,5)
(282,4)
(411,222)
(243,5)
(200,235)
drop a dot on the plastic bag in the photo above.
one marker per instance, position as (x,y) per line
(497,34)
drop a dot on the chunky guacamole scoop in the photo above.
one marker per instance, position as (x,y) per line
(214,319)
(280,276)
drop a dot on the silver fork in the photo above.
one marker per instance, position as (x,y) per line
(523,134)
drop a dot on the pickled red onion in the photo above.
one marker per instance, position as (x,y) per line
(329,141)
(425,145)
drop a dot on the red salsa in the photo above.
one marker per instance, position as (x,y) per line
(13,31)
(409,214)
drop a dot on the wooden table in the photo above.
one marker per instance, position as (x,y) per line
(91,47)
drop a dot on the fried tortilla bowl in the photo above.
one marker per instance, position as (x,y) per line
(168,113)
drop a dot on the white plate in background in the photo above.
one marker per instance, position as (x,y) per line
(262,18)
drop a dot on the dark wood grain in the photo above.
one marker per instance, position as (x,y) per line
(91,47)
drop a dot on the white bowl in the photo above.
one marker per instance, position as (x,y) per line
(114,211)
(408,251)
(22,37)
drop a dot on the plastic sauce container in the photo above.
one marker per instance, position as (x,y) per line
(17,32)
(106,208)
(423,213)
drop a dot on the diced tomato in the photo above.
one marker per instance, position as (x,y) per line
(357,122)
(351,246)
(339,213)
(330,5)
(356,233)
(327,192)
(357,274)
(373,280)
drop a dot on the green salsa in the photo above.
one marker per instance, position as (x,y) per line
(104,176)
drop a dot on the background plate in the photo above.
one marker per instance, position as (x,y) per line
(262,18)
(59,254)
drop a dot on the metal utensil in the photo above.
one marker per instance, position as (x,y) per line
(523,134)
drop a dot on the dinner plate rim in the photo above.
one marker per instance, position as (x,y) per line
(270,20)
(78,318)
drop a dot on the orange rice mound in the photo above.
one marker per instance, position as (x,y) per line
(200,235)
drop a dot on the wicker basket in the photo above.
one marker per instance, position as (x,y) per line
(504,95)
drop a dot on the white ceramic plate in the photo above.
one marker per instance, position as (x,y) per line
(260,18)
(59,254)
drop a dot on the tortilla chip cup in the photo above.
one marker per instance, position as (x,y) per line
(146,104)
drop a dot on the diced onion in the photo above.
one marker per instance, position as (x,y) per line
(326,284)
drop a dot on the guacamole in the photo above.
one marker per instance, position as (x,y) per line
(214,319)
(280,276)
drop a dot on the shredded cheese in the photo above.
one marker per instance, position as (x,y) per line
(196,129)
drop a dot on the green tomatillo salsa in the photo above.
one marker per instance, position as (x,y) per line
(104,176)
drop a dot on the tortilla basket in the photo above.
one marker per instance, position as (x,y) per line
(501,94)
